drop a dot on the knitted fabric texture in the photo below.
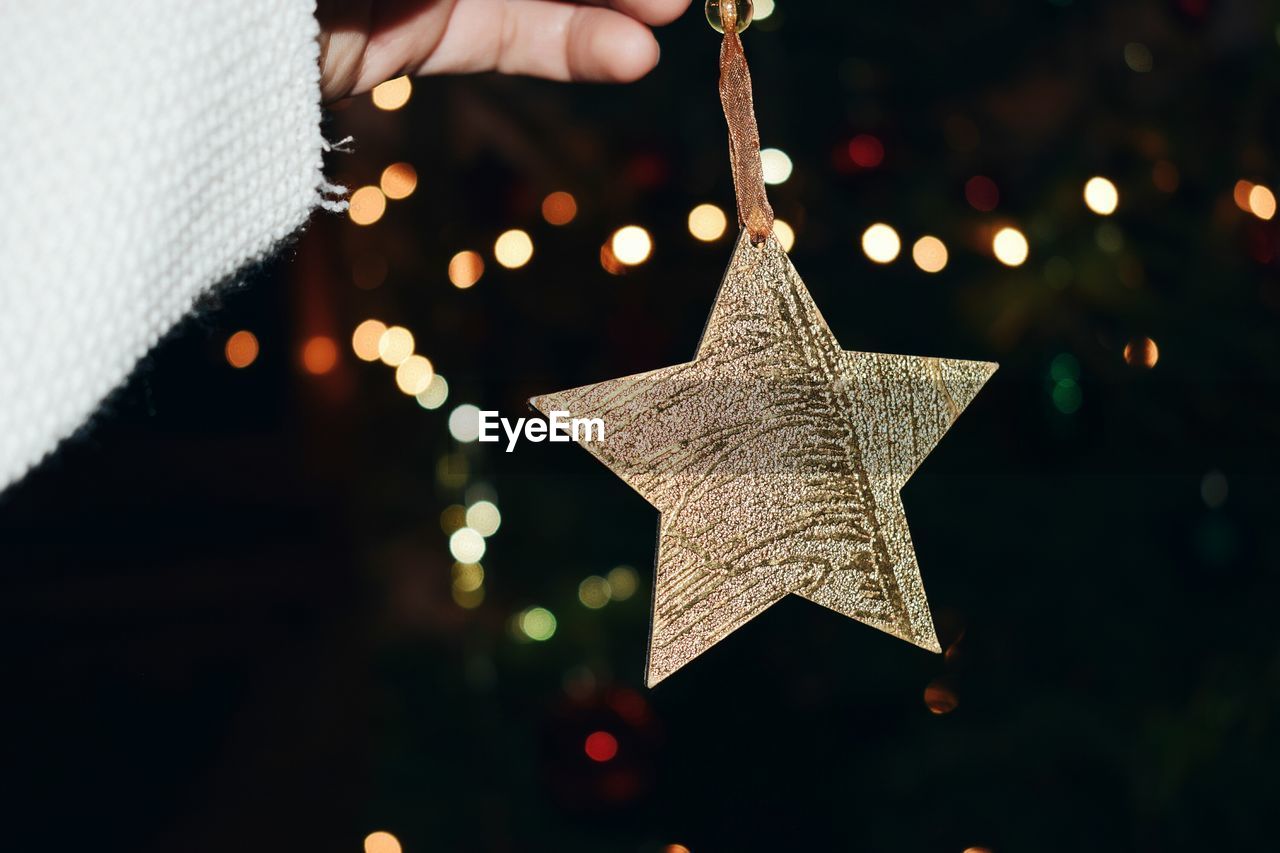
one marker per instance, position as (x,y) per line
(148,150)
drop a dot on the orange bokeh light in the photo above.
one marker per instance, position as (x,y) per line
(559,208)
(610,261)
(398,181)
(366,205)
(465,269)
(381,842)
(365,339)
(1240,194)
(242,349)
(392,94)
(1141,352)
(319,355)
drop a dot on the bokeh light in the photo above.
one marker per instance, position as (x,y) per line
(453,517)
(1138,57)
(594,592)
(623,583)
(940,698)
(466,545)
(513,248)
(393,94)
(241,349)
(559,208)
(600,747)
(537,623)
(468,577)
(414,374)
(763,9)
(464,423)
(1067,396)
(436,394)
(1063,367)
(609,261)
(381,842)
(1240,194)
(366,205)
(465,269)
(1262,202)
(398,181)
(395,345)
(707,222)
(1101,196)
(631,245)
(866,151)
(1010,247)
(785,233)
(881,243)
(364,340)
(777,166)
(982,193)
(484,518)
(319,355)
(1141,352)
(467,599)
(930,254)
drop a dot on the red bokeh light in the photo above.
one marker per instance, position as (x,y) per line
(601,746)
(866,151)
(982,193)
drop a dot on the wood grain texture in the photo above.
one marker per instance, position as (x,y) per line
(775,459)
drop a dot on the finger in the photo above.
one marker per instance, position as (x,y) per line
(364,42)
(543,38)
(655,13)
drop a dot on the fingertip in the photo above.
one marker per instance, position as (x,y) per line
(609,47)
(633,55)
(656,13)
(567,42)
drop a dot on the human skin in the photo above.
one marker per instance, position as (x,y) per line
(364,42)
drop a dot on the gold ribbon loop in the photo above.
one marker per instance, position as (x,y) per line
(754,211)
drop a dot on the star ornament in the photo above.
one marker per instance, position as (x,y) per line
(776,459)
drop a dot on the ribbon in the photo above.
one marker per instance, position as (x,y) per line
(754,211)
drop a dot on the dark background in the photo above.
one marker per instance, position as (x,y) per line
(226,604)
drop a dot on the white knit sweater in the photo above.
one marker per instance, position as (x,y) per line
(148,150)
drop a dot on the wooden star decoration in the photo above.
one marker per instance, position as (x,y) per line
(776,459)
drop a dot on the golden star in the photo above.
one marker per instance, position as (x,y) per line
(775,459)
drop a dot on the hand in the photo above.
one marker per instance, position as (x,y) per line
(364,42)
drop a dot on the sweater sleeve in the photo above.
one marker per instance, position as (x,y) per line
(148,150)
